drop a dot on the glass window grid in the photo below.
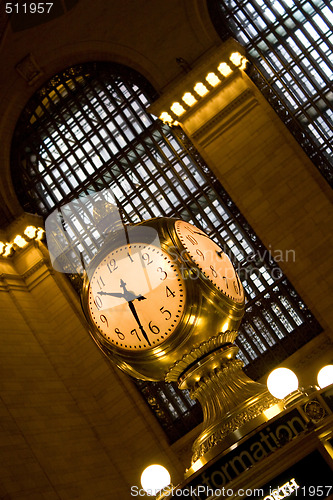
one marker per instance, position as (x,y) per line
(290,43)
(154,172)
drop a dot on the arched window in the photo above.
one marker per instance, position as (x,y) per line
(88,129)
(291,45)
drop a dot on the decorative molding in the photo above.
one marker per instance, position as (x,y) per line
(234,423)
(198,352)
(225,118)
(29,69)
(33,269)
(325,344)
(200,83)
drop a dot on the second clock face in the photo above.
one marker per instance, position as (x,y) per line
(136,297)
(211,260)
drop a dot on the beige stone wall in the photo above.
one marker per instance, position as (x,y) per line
(72,425)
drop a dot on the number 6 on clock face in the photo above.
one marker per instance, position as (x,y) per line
(136,297)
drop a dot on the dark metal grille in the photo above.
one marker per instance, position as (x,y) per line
(290,43)
(87,130)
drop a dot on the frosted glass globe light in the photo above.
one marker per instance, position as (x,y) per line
(154,478)
(281,382)
(325,376)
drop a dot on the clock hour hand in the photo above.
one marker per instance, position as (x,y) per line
(113,294)
(129,296)
(201,234)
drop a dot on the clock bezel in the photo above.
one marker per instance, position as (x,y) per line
(207,311)
(205,280)
(124,357)
(180,301)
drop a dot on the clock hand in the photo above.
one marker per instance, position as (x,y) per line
(201,234)
(114,294)
(219,253)
(135,314)
(129,296)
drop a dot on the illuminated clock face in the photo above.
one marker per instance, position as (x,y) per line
(211,260)
(136,297)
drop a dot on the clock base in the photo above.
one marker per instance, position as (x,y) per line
(230,400)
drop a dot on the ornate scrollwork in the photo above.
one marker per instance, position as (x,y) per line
(199,352)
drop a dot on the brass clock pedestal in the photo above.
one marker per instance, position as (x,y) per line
(165,303)
(228,397)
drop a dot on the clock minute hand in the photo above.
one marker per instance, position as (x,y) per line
(219,253)
(135,314)
(130,296)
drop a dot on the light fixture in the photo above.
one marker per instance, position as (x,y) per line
(155,478)
(201,89)
(224,69)
(40,234)
(8,250)
(177,109)
(189,99)
(244,62)
(30,231)
(213,79)
(166,118)
(325,376)
(20,241)
(281,382)
(236,58)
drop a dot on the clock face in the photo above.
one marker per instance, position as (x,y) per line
(136,297)
(211,260)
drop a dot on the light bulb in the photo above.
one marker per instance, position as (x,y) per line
(177,109)
(325,376)
(189,99)
(224,69)
(236,58)
(166,118)
(201,89)
(281,382)
(213,79)
(30,231)
(154,478)
(20,241)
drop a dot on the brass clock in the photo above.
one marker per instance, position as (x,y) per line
(151,302)
(136,296)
